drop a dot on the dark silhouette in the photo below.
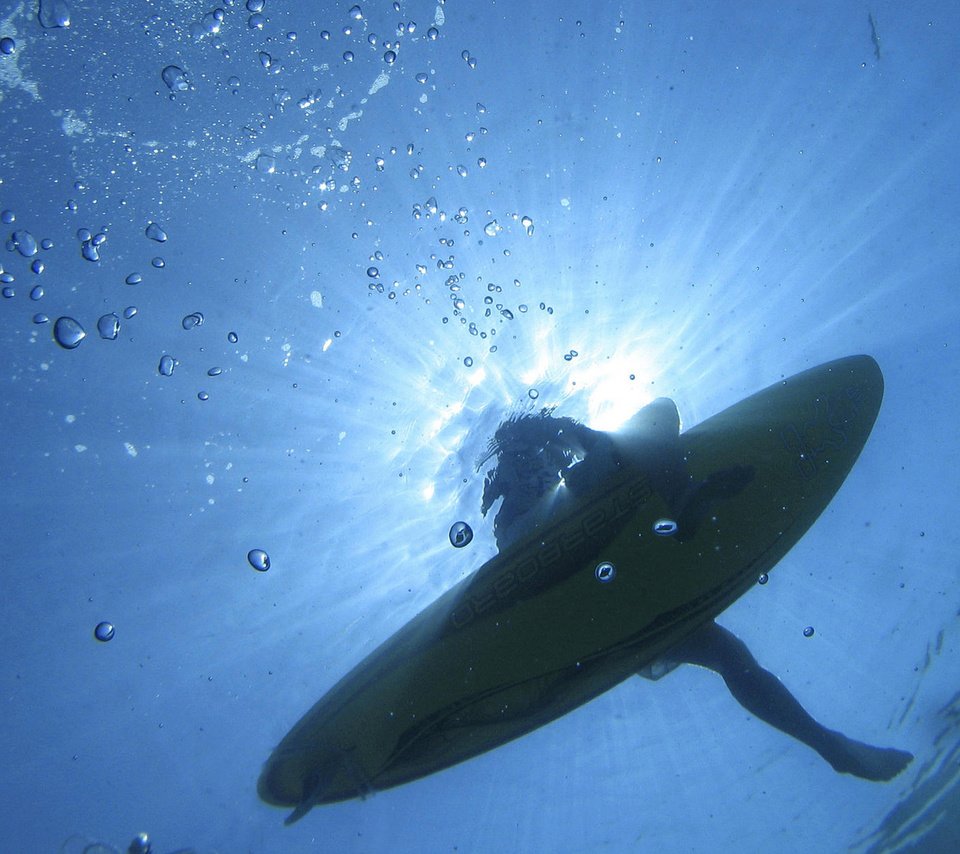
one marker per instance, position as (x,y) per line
(544,463)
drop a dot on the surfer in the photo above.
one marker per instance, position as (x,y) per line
(545,463)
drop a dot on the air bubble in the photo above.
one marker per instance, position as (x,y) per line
(390,57)
(664,527)
(7,46)
(191,321)
(25,243)
(155,232)
(763,578)
(175,78)
(166,366)
(605,572)
(109,327)
(460,534)
(68,333)
(808,632)
(134,279)
(258,559)
(104,632)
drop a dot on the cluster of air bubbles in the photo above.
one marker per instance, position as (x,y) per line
(492,228)
(460,534)
(90,243)
(527,223)
(258,559)
(192,320)
(467,58)
(569,357)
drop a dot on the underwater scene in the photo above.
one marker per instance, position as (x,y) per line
(436,426)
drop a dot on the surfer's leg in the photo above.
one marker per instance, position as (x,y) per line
(764,695)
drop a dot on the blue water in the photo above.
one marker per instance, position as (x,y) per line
(716,197)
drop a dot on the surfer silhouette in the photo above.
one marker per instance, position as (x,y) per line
(544,464)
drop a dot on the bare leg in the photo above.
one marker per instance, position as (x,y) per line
(764,695)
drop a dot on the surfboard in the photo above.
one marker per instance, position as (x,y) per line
(585,600)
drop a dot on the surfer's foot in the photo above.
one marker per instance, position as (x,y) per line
(865,761)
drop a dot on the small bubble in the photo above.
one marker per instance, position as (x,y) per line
(373,272)
(460,534)
(134,279)
(191,321)
(433,34)
(214,372)
(25,243)
(605,572)
(8,292)
(527,223)
(130,311)
(390,57)
(68,333)
(763,578)
(155,232)
(808,632)
(53,14)
(356,13)
(533,394)
(202,395)
(158,262)
(104,632)
(462,172)
(166,366)
(265,164)
(175,78)
(492,228)
(37,266)
(664,527)
(468,362)
(232,337)
(40,318)
(7,46)
(109,327)
(258,559)
(46,243)
(36,292)
(348,56)
(8,217)
(421,78)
